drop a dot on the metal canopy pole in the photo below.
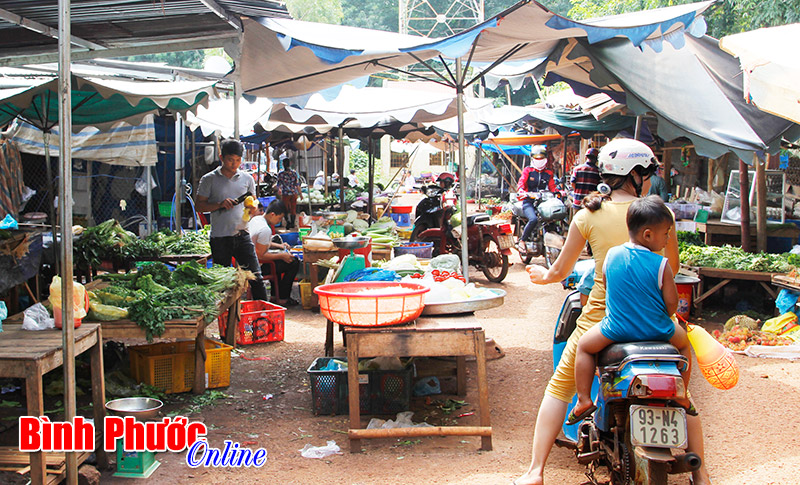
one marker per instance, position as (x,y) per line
(65,212)
(148,172)
(176,210)
(371,186)
(461,169)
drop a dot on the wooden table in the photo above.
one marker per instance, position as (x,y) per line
(175,329)
(785,281)
(31,354)
(309,258)
(726,275)
(443,336)
(718,233)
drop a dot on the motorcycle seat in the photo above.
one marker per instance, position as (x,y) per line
(616,353)
(476,218)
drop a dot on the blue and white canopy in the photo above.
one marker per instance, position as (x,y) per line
(289,58)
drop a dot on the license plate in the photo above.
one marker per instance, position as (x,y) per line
(505,241)
(658,427)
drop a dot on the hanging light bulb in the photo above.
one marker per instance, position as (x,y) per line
(716,362)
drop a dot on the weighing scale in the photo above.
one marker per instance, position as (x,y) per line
(135,464)
(352,262)
(335,229)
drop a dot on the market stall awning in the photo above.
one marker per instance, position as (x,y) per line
(217,116)
(693,91)
(768,59)
(566,121)
(122,144)
(101,103)
(286,58)
(515,139)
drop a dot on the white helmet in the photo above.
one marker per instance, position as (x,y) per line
(539,151)
(620,156)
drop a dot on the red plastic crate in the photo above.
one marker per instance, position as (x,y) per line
(260,321)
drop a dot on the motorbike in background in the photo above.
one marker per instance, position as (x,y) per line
(638,431)
(489,243)
(547,238)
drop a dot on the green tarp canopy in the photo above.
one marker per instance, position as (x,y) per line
(100,103)
(566,121)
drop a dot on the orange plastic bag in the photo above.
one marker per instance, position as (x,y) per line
(79,297)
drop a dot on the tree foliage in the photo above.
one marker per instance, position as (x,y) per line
(374,14)
(322,11)
(188,59)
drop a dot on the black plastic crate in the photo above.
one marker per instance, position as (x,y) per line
(380,391)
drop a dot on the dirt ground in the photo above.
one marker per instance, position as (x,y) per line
(751,431)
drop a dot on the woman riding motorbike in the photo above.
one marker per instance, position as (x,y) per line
(534,178)
(624,166)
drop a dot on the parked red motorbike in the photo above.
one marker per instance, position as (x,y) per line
(489,243)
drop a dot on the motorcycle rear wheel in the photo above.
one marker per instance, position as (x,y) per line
(418,228)
(494,264)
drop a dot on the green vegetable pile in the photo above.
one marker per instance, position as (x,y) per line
(153,295)
(103,242)
(730,257)
(108,241)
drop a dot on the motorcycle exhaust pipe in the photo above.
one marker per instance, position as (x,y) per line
(688,462)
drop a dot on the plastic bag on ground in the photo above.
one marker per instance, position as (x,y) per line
(311,451)
(3,314)
(403,421)
(37,318)
(427,386)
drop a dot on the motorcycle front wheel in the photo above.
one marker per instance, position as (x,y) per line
(494,264)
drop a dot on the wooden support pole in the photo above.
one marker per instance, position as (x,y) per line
(744,193)
(761,204)
(666,159)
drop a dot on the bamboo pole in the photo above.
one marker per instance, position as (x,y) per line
(417,432)
(65,203)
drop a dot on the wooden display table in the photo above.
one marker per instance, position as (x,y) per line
(30,355)
(175,329)
(444,336)
(726,275)
(785,281)
(309,258)
(718,233)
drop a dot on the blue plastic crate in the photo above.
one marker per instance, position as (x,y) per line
(401,219)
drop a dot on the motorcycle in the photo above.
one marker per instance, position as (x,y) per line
(547,238)
(638,431)
(489,243)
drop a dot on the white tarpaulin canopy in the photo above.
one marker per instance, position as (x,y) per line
(287,58)
(770,69)
(122,144)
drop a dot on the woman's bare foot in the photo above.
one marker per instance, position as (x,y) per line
(529,478)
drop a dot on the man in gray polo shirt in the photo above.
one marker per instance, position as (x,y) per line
(219,189)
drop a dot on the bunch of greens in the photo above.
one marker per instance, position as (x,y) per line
(729,257)
(217,278)
(159,272)
(686,238)
(166,241)
(180,303)
(105,241)
(191,242)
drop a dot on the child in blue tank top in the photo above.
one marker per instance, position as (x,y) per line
(640,297)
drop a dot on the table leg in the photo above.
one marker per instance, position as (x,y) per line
(232,326)
(483,387)
(329,339)
(34,393)
(313,276)
(99,399)
(461,375)
(352,391)
(200,363)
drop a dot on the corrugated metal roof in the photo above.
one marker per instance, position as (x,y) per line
(125,23)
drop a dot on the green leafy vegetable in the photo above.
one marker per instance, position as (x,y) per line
(730,257)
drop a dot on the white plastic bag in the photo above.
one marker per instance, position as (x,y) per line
(311,451)
(403,421)
(37,318)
